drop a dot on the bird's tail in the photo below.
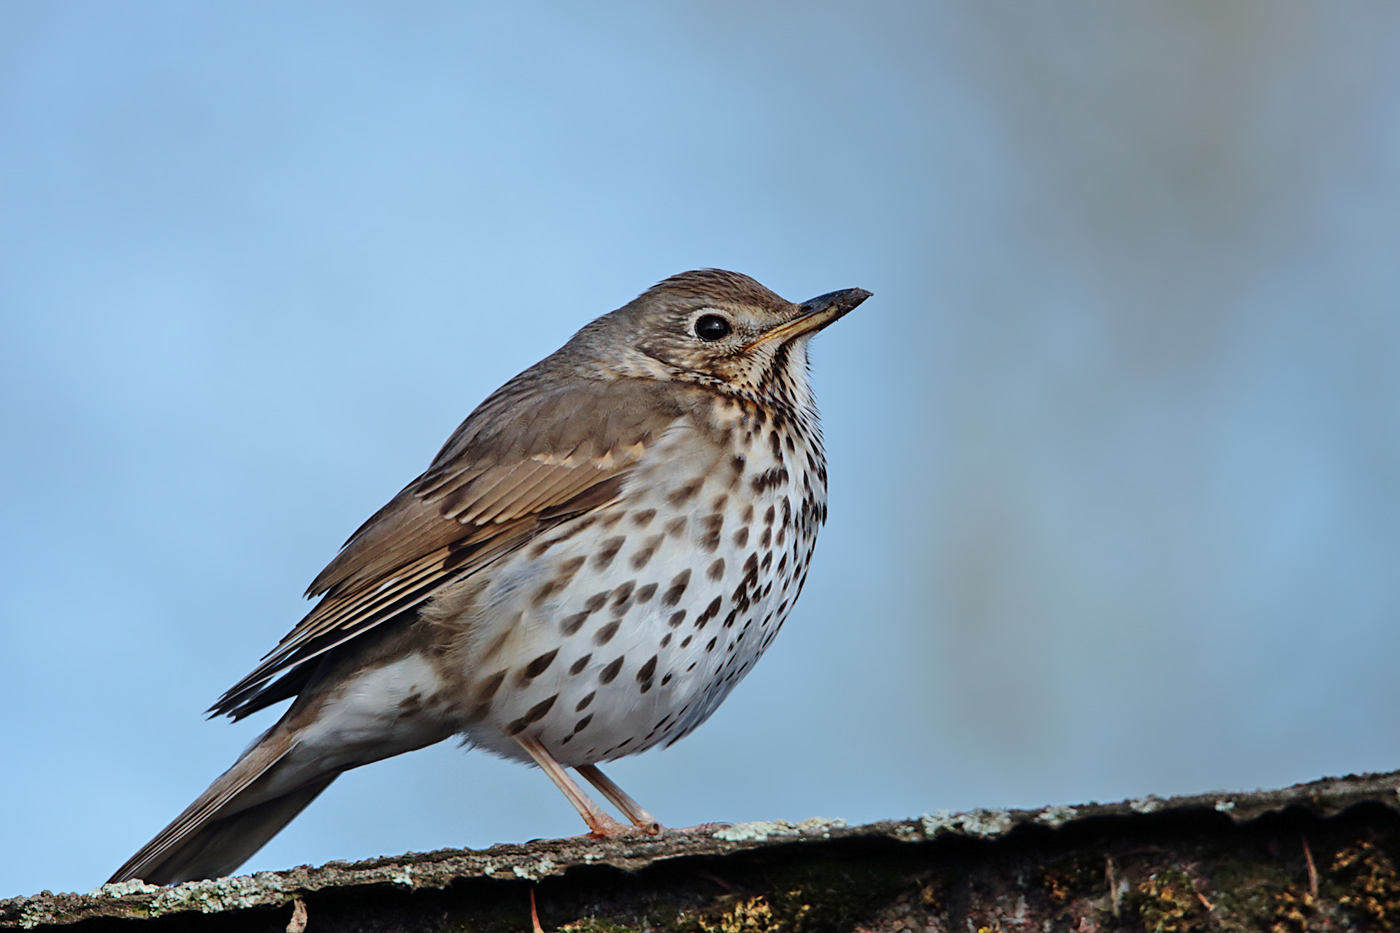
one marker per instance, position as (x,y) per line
(245,807)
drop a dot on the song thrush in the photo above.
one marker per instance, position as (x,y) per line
(595,558)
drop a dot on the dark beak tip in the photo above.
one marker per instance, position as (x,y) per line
(846,299)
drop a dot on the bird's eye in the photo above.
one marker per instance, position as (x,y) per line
(711,327)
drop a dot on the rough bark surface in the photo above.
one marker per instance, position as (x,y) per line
(1319,856)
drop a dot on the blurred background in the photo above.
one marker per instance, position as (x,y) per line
(1115,448)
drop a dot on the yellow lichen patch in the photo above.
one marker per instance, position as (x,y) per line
(753,915)
(1291,912)
(1372,886)
(933,896)
(1168,903)
(594,925)
(1067,878)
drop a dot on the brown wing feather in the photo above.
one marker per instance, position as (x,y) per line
(521,462)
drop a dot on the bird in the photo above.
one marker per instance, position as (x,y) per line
(590,564)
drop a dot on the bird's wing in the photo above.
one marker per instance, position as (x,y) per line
(517,465)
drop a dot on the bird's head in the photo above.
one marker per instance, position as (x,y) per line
(716,328)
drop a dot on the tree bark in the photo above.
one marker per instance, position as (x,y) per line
(1318,856)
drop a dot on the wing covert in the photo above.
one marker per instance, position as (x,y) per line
(493,487)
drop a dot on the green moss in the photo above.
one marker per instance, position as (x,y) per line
(822,896)
(1248,888)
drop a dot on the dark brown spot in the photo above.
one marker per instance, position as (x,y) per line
(582,723)
(776,443)
(608,674)
(737,462)
(710,539)
(716,570)
(570,567)
(766,562)
(685,493)
(729,619)
(685,642)
(787,512)
(711,645)
(677,589)
(596,601)
(666,639)
(747,518)
(608,551)
(606,633)
(645,594)
(720,502)
(769,515)
(546,591)
(622,596)
(533,715)
(538,666)
(571,624)
(677,618)
(643,518)
(741,537)
(578,666)
(488,687)
(676,526)
(766,539)
(583,704)
(782,563)
(664,681)
(648,548)
(413,703)
(646,671)
(710,612)
(610,520)
(769,479)
(751,564)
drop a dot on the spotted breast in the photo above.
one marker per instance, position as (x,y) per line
(627,627)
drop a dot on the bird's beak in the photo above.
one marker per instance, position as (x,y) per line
(815,314)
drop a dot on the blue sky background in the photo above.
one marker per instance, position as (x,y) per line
(1115,448)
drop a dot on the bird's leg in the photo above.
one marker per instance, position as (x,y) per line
(600,825)
(634,812)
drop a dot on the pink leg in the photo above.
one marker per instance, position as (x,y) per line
(599,823)
(633,811)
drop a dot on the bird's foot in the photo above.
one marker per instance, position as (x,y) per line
(602,826)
